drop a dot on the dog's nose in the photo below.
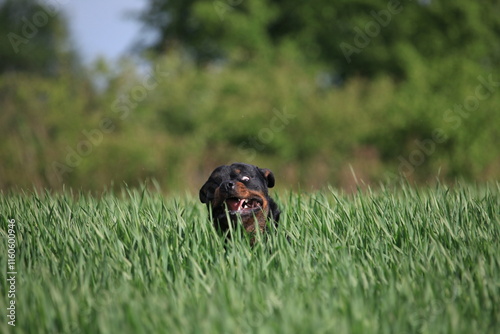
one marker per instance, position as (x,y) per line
(227,186)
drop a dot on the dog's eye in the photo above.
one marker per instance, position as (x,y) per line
(245,178)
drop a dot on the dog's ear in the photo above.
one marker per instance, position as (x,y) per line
(206,193)
(268,175)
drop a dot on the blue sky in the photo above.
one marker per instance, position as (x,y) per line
(102,28)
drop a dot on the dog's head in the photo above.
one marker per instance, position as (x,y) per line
(240,191)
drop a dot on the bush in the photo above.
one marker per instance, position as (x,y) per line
(180,121)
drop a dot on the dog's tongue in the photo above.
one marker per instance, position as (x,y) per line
(234,204)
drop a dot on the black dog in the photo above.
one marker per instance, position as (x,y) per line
(242,189)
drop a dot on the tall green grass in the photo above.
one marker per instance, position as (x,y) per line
(392,261)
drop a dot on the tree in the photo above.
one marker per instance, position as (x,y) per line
(34,37)
(207,30)
(364,38)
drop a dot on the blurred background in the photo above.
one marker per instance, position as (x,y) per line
(96,94)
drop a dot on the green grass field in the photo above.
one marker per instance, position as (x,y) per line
(388,261)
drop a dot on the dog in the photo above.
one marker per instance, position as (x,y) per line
(240,192)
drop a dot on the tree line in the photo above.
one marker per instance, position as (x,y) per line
(326,92)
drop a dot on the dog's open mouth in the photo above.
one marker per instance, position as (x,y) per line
(243,205)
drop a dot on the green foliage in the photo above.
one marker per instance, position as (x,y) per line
(34,38)
(252,81)
(178,122)
(366,38)
(398,260)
